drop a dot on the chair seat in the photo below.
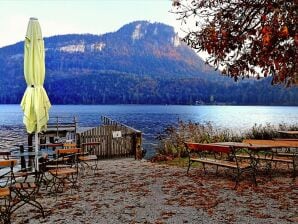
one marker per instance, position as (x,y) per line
(25,185)
(4,192)
(62,159)
(63,171)
(60,166)
(88,158)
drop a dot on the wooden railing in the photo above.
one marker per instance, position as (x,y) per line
(112,139)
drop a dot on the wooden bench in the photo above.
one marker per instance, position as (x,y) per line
(277,156)
(220,156)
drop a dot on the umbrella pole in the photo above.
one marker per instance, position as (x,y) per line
(36,152)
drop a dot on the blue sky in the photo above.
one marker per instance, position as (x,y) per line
(77,16)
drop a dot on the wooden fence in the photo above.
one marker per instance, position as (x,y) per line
(112,139)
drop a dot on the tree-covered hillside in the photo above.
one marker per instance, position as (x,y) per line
(141,63)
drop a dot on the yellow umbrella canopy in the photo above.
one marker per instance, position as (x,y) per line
(35,102)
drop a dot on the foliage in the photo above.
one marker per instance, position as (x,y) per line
(268,131)
(244,36)
(150,70)
(171,141)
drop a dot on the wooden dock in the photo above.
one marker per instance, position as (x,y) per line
(112,139)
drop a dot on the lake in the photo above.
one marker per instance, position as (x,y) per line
(152,119)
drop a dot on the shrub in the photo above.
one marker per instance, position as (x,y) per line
(171,140)
(268,131)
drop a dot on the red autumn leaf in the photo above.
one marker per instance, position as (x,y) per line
(284,32)
(266,39)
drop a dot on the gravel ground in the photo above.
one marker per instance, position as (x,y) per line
(129,191)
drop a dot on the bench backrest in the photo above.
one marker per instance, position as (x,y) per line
(207,147)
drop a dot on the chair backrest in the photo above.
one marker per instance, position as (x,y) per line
(6,174)
(67,151)
(69,156)
(69,145)
(5,154)
(8,163)
(207,147)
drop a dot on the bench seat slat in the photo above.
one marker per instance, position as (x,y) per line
(274,159)
(289,154)
(223,163)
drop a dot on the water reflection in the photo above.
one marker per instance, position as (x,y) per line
(151,119)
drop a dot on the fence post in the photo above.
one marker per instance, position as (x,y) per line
(137,143)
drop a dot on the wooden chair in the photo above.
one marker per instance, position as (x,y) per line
(25,189)
(64,170)
(6,180)
(88,157)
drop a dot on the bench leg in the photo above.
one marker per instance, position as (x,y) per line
(268,168)
(253,175)
(204,168)
(237,179)
(189,163)
(294,171)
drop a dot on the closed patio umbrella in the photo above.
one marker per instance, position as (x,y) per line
(35,102)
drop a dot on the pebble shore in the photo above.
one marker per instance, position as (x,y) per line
(130,191)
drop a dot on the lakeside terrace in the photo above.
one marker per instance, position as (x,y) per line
(133,191)
(172,196)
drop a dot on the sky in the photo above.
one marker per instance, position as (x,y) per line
(77,16)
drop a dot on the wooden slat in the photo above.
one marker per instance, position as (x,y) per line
(8,163)
(207,147)
(4,192)
(274,159)
(109,146)
(272,143)
(222,163)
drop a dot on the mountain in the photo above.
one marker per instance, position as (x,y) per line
(142,62)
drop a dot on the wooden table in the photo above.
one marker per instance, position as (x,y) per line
(293,135)
(243,145)
(273,143)
(289,132)
(252,151)
(253,147)
(52,145)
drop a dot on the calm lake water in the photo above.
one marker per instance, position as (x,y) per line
(152,119)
